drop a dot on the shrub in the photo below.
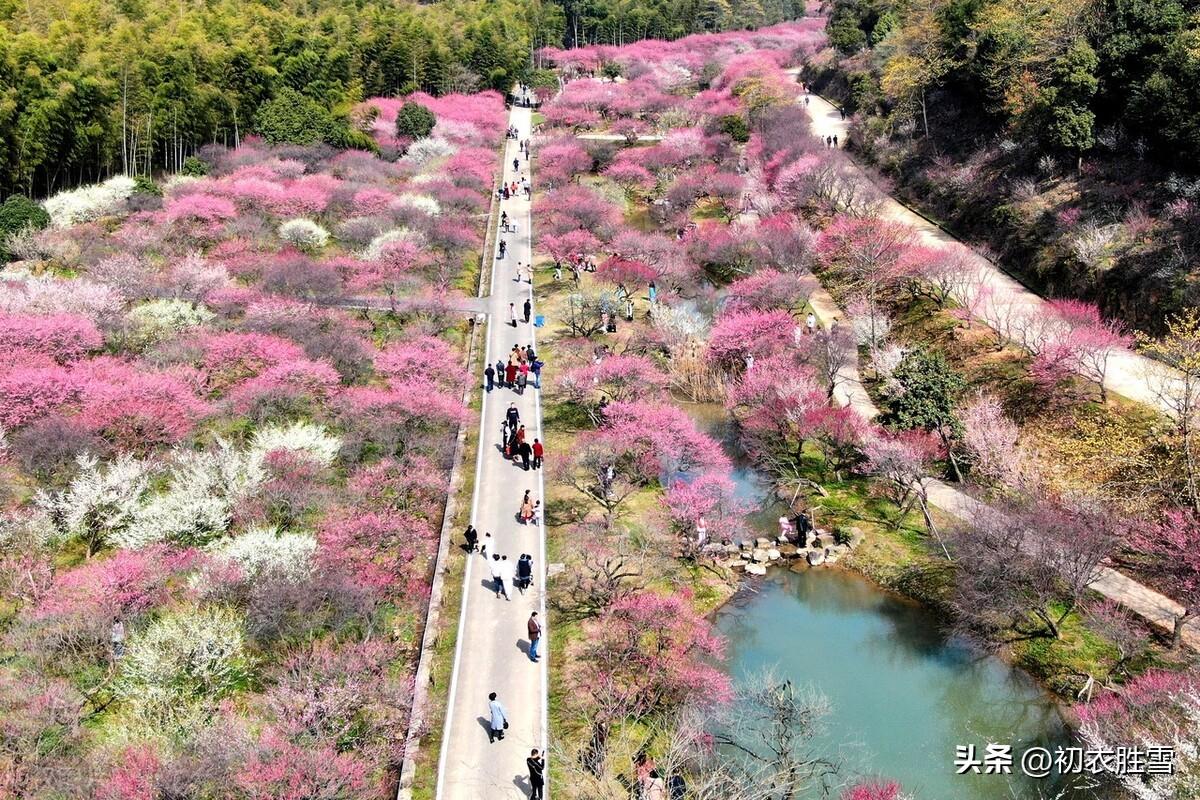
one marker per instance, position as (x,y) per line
(194,167)
(62,337)
(182,665)
(734,126)
(304,234)
(414,121)
(259,550)
(89,202)
(50,445)
(160,320)
(293,118)
(18,213)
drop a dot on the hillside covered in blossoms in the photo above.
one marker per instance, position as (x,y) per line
(222,488)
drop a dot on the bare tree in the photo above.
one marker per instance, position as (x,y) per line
(766,739)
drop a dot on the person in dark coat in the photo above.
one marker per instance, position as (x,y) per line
(490,374)
(527,308)
(526,454)
(472,538)
(537,775)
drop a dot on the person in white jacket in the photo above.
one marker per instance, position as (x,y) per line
(507,573)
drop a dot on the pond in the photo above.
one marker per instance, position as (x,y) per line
(902,694)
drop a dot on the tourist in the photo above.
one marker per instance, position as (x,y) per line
(537,771)
(490,374)
(528,307)
(516,164)
(117,636)
(538,452)
(499,719)
(524,572)
(512,314)
(522,376)
(557,271)
(653,292)
(500,371)
(534,628)
(472,537)
(526,510)
(810,322)
(487,537)
(785,528)
(526,453)
(506,575)
(503,248)
(536,369)
(835,141)
(701,533)
(497,569)
(656,789)
(510,374)
(521,438)
(504,220)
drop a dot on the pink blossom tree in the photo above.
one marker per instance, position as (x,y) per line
(740,335)
(1173,543)
(645,654)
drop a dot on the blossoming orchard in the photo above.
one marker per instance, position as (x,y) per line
(564,440)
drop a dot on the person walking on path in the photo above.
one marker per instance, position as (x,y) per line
(497,568)
(490,374)
(526,453)
(472,537)
(527,308)
(510,375)
(512,314)
(536,369)
(117,636)
(523,376)
(537,774)
(538,452)
(526,510)
(498,719)
(500,371)
(506,575)
(535,635)
(810,322)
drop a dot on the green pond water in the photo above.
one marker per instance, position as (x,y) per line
(903,695)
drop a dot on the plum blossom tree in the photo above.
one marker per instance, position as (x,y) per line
(644,655)
(767,290)
(1172,544)
(742,334)
(615,378)
(902,460)
(992,443)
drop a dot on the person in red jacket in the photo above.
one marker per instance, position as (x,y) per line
(538,450)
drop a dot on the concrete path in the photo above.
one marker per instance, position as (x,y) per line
(491,653)
(1129,374)
(1157,609)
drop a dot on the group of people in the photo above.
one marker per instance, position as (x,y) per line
(516,444)
(831,141)
(522,362)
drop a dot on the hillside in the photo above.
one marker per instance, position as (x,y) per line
(89,88)
(1062,136)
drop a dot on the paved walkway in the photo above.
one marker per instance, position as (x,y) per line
(1129,374)
(1157,609)
(491,654)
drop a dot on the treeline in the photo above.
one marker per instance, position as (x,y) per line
(1067,75)
(89,88)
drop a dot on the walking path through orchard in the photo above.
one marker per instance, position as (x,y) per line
(1129,374)
(1154,607)
(491,652)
